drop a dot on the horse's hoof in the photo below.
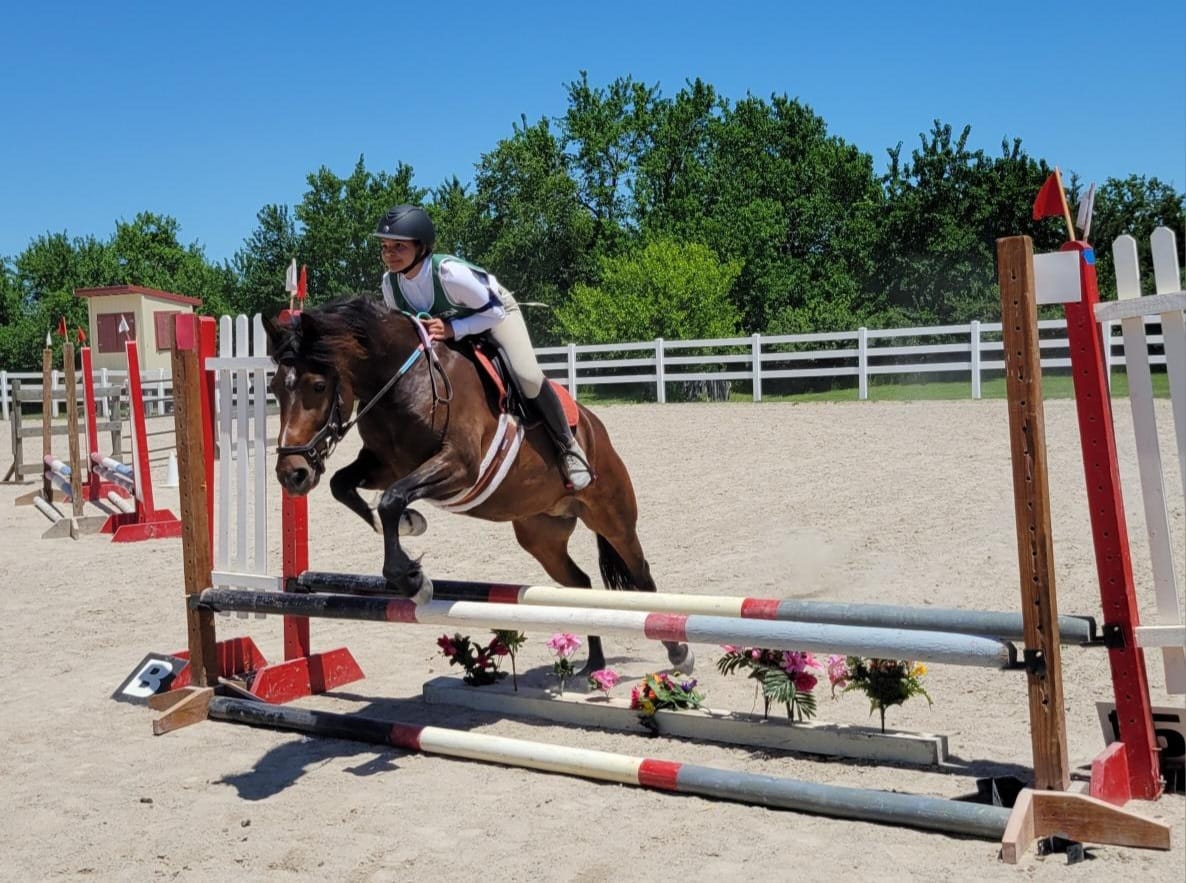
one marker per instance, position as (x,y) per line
(415,587)
(682,659)
(412,523)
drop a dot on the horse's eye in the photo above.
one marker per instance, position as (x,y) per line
(319,386)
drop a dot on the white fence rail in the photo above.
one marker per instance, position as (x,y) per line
(971,351)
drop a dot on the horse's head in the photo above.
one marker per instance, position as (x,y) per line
(314,391)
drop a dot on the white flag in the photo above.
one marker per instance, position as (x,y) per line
(123,325)
(290,277)
(1086,207)
(49,341)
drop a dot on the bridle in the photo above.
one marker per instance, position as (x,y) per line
(318,449)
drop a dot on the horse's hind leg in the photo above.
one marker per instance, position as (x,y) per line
(624,566)
(545,537)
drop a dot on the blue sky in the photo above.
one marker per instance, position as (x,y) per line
(208,111)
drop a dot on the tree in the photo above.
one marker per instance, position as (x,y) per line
(260,265)
(796,206)
(529,227)
(665,288)
(339,217)
(1137,206)
(945,208)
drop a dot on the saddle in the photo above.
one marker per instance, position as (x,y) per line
(495,372)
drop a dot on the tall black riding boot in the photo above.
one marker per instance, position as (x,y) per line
(573,462)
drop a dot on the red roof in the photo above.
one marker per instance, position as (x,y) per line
(137,289)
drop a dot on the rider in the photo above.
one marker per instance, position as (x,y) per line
(461,300)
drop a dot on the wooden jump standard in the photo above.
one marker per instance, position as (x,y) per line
(1001,625)
(775,635)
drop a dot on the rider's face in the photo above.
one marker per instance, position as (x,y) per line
(397,254)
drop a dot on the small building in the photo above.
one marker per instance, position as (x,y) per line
(131,312)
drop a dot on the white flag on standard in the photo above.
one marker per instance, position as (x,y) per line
(1086,207)
(123,325)
(290,277)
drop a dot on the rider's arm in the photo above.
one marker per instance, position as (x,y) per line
(465,288)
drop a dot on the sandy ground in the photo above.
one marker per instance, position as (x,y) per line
(904,503)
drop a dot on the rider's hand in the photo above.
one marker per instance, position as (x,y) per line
(438,329)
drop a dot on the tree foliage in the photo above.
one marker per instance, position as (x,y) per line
(633,215)
(669,289)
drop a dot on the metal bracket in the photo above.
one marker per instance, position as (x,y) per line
(1113,637)
(1034,662)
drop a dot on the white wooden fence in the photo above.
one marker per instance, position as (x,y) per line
(971,352)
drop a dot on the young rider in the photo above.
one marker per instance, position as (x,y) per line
(463,300)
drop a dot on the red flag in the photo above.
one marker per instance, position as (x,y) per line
(303,284)
(1050,198)
(81,335)
(62,329)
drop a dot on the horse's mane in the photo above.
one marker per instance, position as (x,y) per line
(335,335)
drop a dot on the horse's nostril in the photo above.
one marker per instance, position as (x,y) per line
(299,476)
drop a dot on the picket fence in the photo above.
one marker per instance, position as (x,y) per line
(784,363)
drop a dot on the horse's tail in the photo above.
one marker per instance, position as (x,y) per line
(614,572)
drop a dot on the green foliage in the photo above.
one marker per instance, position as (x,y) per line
(632,215)
(339,217)
(886,682)
(664,289)
(1136,206)
(39,287)
(261,263)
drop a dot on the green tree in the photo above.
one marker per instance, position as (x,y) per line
(260,265)
(338,217)
(668,289)
(529,227)
(796,206)
(1137,206)
(945,208)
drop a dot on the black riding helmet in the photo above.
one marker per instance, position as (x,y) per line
(409,222)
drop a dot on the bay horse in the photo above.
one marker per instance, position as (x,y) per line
(427,418)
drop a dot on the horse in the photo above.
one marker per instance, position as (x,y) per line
(428,419)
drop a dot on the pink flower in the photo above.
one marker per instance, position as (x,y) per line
(755,653)
(805,682)
(446,645)
(795,661)
(604,679)
(730,648)
(564,644)
(838,673)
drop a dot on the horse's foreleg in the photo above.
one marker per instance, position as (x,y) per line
(367,472)
(436,477)
(545,538)
(346,481)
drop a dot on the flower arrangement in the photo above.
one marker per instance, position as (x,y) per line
(784,675)
(509,642)
(887,682)
(481,664)
(604,679)
(563,646)
(663,691)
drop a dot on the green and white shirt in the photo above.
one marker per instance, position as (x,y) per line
(449,288)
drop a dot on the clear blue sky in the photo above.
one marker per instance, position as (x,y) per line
(208,111)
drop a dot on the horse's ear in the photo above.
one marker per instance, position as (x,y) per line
(277,331)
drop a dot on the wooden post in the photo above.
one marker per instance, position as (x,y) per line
(47,428)
(198,553)
(1031,499)
(72,428)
